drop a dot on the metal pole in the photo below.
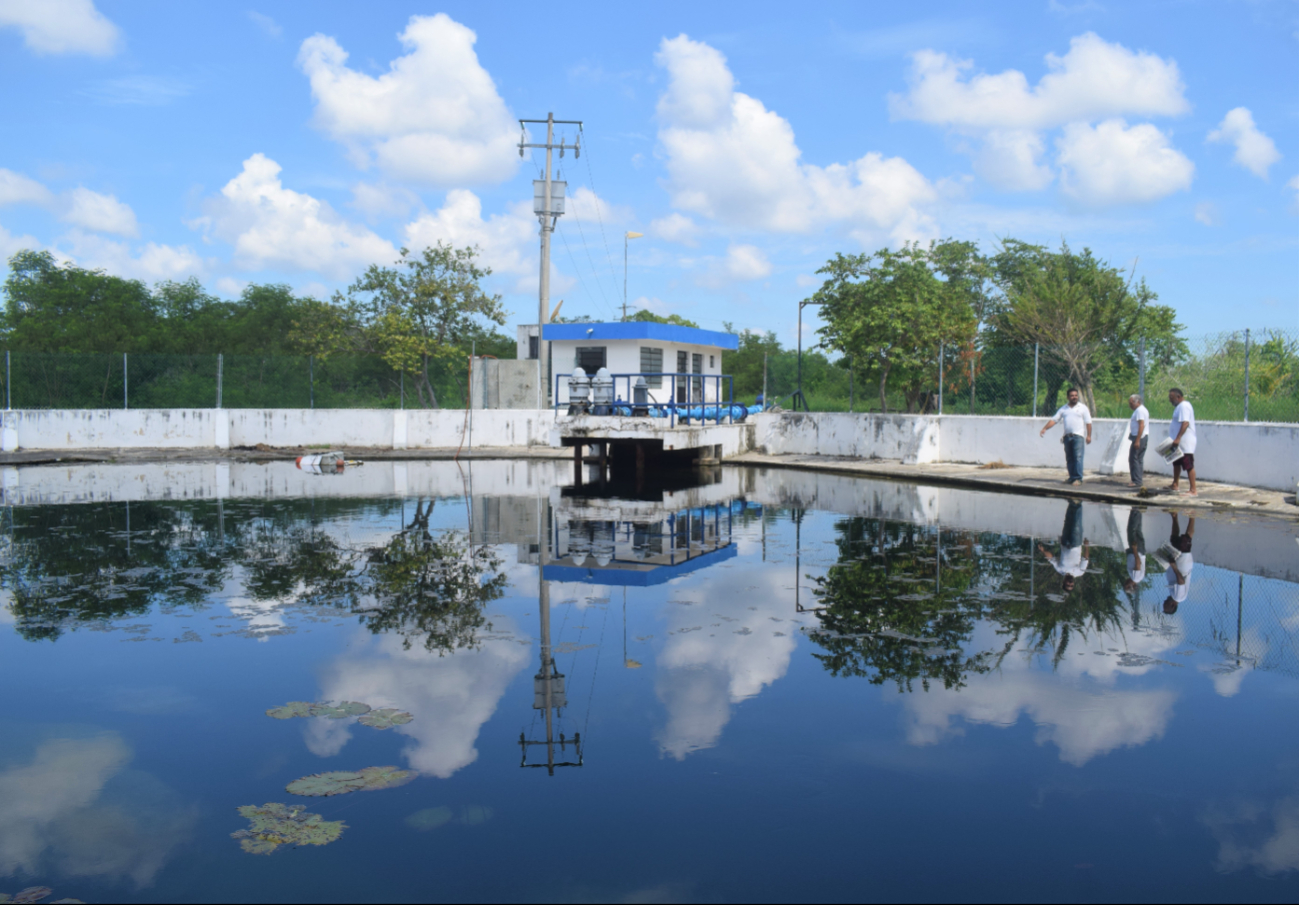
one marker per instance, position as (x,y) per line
(625,240)
(126,397)
(543,300)
(9,385)
(220,376)
(1247,375)
(971,378)
(850,369)
(941,354)
(401,388)
(469,402)
(1036,349)
(1141,369)
(800,356)
(311,375)
(765,403)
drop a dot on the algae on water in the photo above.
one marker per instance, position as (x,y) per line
(385,719)
(274,824)
(340,782)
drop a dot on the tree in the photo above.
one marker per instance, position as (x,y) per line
(420,311)
(890,311)
(649,317)
(1080,310)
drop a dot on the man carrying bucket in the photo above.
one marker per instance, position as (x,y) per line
(1182,433)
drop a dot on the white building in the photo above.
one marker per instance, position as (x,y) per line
(681,363)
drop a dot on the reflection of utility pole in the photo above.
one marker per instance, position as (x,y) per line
(548,205)
(1240,609)
(548,685)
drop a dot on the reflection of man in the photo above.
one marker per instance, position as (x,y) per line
(1074,559)
(1136,552)
(1139,435)
(1179,570)
(1182,432)
(1077,421)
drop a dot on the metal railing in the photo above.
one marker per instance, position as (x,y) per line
(687,398)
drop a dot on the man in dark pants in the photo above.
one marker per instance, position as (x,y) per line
(1136,552)
(1179,570)
(1075,550)
(1139,436)
(1077,421)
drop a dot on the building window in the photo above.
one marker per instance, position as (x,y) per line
(591,358)
(683,366)
(712,362)
(697,383)
(534,351)
(651,362)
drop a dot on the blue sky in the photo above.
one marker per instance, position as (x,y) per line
(298,143)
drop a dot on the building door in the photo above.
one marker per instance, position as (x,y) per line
(683,366)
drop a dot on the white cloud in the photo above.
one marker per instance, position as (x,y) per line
(804,280)
(1246,840)
(271,226)
(16,188)
(61,26)
(745,262)
(137,90)
(434,117)
(1254,150)
(98,212)
(378,200)
(11,244)
(731,159)
(1094,80)
(266,23)
(1206,212)
(151,263)
(1113,163)
(675,228)
(507,240)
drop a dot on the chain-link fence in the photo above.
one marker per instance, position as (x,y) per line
(1239,376)
(50,380)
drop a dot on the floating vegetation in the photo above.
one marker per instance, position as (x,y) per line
(35,894)
(330,711)
(340,782)
(385,719)
(274,824)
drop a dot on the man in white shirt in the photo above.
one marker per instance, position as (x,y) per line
(1077,421)
(1136,552)
(1074,559)
(1182,433)
(1178,573)
(1139,435)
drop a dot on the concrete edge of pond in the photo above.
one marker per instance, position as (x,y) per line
(1212,496)
(274,454)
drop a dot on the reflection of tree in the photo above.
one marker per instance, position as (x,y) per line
(884,616)
(431,586)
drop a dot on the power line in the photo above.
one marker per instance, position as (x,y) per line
(591,178)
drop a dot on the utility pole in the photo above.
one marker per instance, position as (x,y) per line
(548,205)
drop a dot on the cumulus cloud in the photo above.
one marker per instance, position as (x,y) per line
(506,239)
(11,244)
(61,26)
(1094,80)
(98,212)
(268,25)
(675,228)
(434,117)
(16,188)
(1252,835)
(151,263)
(1113,163)
(745,262)
(1006,117)
(378,200)
(271,226)
(1254,150)
(731,159)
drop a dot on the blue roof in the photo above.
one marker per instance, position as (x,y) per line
(645,577)
(666,333)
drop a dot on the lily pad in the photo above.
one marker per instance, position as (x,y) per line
(274,824)
(290,710)
(340,782)
(345,709)
(32,894)
(385,719)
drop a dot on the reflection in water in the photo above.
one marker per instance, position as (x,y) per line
(73,809)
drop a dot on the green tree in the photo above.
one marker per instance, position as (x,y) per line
(890,311)
(649,317)
(423,310)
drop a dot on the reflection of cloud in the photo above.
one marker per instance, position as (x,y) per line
(1083,722)
(724,646)
(451,696)
(1246,840)
(56,809)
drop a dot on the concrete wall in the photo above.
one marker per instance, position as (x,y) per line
(1253,455)
(623,357)
(503,384)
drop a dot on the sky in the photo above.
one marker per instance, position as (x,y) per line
(300,143)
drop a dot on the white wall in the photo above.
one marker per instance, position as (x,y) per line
(1253,455)
(113,429)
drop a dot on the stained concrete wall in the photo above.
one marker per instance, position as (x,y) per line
(1252,455)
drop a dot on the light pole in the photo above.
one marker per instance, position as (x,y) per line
(626,237)
(798,395)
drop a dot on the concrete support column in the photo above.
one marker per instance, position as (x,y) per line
(399,429)
(9,433)
(221,428)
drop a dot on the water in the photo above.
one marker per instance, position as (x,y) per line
(776,686)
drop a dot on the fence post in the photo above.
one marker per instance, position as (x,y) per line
(1141,369)
(9,385)
(971,378)
(311,372)
(220,376)
(850,370)
(765,403)
(1247,375)
(126,397)
(940,378)
(401,384)
(1036,349)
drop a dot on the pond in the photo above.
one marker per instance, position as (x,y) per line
(422,682)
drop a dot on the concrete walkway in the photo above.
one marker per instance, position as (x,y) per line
(1041,482)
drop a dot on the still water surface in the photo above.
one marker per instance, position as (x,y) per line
(771,686)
